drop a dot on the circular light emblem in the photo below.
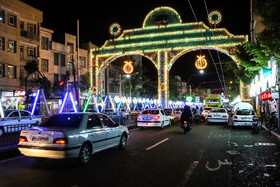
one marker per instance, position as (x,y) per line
(214,17)
(201,62)
(128,67)
(115,29)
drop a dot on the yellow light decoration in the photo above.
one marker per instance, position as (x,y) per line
(201,62)
(128,67)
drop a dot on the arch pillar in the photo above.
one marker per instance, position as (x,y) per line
(163,77)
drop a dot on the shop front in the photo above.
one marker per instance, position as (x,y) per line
(12,100)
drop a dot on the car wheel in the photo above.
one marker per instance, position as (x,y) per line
(2,131)
(85,154)
(162,125)
(123,141)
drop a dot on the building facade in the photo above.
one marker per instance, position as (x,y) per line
(19,42)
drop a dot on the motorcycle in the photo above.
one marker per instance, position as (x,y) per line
(186,126)
(256,127)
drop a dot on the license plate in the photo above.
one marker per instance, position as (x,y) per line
(218,116)
(40,138)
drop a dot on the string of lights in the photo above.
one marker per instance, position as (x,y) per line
(208,49)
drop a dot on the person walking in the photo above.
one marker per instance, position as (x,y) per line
(262,112)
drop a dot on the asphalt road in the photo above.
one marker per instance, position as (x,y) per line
(208,155)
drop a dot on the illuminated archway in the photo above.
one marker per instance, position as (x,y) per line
(162,39)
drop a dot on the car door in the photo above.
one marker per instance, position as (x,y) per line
(96,132)
(12,121)
(165,117)
(112,131)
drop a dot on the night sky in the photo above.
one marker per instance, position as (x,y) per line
(96,17)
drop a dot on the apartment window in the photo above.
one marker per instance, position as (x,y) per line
(56,59)
(62,60)
(21,50)
(31,51)
(44,65)
(31,28)
(2,16)
(22,25)
(56,77)
(12,20)
(11,71)
(2,43)
(71,45)
(12,46)
(45,43)
(2,70)
(82,61)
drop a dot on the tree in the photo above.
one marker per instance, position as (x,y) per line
(85,81)
(173,89)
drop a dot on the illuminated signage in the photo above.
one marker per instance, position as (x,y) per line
(19,93)
(266,96)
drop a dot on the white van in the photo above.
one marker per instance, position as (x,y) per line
(244,115)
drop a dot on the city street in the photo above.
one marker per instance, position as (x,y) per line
(209,155)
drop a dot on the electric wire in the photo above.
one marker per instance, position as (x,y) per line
(222,72)
(208,49)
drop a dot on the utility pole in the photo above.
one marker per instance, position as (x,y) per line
(78,70)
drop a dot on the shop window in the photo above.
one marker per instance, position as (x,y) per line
(11,71)
(44,65)
(12,20)
(12,46)
(2,16)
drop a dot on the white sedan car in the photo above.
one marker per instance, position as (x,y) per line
(72,135)
(153,118)
(218,115)
(244,117)
(17,120)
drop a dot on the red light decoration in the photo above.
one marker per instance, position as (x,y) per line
(266,96)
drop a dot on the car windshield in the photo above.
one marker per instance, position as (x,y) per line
(149,112)
(63,120)
(221,110)
(168,111)
(245,112)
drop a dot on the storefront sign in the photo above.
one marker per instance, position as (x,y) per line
(275,94)
(266,96)
(7,94)
(19,93)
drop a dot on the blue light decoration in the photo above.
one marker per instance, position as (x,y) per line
(104,103)
(72,101)
(96,107)
(35,102)
(63,103)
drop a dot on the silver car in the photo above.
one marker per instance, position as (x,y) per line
(72,135)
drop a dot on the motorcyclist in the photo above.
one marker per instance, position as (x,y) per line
(186,116)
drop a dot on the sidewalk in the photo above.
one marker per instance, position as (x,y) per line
(273,132)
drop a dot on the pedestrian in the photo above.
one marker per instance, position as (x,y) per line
(262,112)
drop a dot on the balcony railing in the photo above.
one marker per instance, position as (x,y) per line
(29,35)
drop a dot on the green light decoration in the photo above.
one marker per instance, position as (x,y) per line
(189,98)
(161,35)
(215,17)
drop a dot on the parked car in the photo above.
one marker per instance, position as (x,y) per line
(173,115)
(17,120)
(72,135)
(205,111)
(244,117)
(218,115)
(153,118)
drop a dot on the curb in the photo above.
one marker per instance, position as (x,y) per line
(275,134)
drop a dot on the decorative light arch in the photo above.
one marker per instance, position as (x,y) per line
(162,39)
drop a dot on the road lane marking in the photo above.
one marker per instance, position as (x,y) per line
(12,159)
(153,146)
(192,168)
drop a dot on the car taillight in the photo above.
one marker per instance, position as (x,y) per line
(209,115)
(235,117)
(156,117)
(224,116)
(22,139)
(202,114)
(138,117)
(60,140)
